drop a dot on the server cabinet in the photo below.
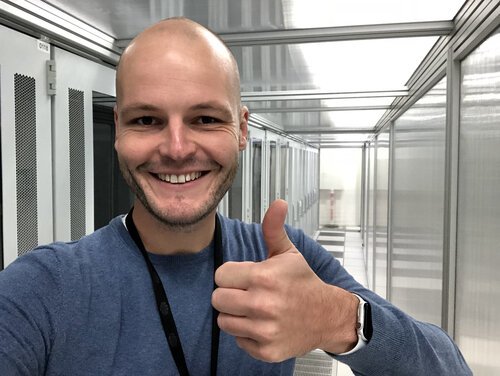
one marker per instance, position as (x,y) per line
(257,175)
(273,162)
(78,79)
(26,167)
(233,205)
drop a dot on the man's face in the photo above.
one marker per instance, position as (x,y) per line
(179,130)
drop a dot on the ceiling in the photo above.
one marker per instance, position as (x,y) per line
(325,70)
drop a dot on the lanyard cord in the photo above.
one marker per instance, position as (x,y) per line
(164,310)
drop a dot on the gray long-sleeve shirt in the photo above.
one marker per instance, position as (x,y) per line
(88,308)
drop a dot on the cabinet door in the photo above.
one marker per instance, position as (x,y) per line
(79,81)
(26,168)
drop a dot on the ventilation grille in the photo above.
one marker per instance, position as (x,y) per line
(315,363)
(26,172)
(77,162)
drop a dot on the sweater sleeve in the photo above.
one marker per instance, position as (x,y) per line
(29,301)
(400,345)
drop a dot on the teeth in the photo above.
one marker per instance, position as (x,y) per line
(179,179)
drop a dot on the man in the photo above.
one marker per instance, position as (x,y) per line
(137,297)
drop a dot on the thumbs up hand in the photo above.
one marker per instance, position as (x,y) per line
(273,228)
(279,308)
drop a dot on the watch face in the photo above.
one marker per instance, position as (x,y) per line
(367,327)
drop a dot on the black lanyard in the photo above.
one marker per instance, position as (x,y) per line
(164,310)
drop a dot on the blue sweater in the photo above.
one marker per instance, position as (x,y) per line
(88,308)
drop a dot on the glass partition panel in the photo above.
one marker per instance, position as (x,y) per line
(418,206)
(477,327)
(381,207)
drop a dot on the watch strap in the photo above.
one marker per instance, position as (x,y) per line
(363,325)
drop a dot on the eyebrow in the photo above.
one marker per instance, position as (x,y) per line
(213,106)
(222,109)
(139,107)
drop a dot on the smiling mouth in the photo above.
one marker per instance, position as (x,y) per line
(179,179)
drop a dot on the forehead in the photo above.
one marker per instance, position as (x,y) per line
(162,61)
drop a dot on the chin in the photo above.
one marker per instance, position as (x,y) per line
(182,217)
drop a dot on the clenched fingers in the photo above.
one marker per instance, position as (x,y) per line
(236,275)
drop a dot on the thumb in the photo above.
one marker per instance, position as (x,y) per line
(273,228)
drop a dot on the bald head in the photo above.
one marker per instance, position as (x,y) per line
(181,40)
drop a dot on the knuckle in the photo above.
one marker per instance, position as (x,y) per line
(216,298)
(264,307)
(221,321)
(254,307)
(263,276)
(221,272)
(270,332)
(226,323)
(270,354)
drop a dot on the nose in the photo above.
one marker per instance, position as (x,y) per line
(177,141)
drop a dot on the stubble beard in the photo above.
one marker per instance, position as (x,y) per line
(186,224)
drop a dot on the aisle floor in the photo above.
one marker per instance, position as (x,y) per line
(347,246)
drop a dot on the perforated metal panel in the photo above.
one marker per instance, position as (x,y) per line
(77,162)
(26,159)
(315,363)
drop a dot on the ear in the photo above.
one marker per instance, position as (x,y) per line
(244,114)
(117,122)
(115,114)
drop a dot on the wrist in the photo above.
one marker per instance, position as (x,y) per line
(363,326)
(341,336)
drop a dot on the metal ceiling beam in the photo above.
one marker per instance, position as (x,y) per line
(332,34)
(339,141)
(341,145)
(341,33)
(268,110)
(290,95)
(329,131)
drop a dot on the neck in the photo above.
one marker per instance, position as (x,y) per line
(162,239)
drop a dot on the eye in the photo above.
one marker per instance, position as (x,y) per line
(208,120)
(146,120)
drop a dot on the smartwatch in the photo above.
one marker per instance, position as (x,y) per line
(364,328)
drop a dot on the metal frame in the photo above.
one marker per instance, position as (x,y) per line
(473,23)
(375,143)
(268,110)
(389,211)
(329,131)
(473,31)
(451,194)
(363,188)
(38,18)
(332,34)
(342,33)
(259,96)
